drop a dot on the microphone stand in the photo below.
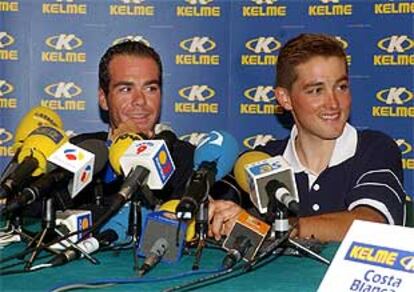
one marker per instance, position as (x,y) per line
(49,227)
(280,230)
(201,225)
(135,218)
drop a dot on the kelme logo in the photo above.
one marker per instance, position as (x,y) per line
(343,42)
(261,2)
(260,94)
(396,44)
(257,140)
(263,45)
(67,42)
(394,95)
(135,38)
(5,136)
(63,89)
(197,93)
(201,2)
(5,39)
(5,88)
(404,146)
(198,44)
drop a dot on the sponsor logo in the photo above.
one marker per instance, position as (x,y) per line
(73,154)
(7,101)
(197,95)
(330,8)
(164,163)
(198,8)
(374,255)
(132,8)
(7,40)
(199,48)
(396,101)
(257,140)
(63,92)
(263,49)
(397,49)
(194,138)
(136,38)
(64,46)
(264,8)
(5,139)
(64,7)
(84,222)
(403,7)
(406,151)
(263,101)
(9,6)
(86,173)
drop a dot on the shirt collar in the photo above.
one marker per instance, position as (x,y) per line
(345,148)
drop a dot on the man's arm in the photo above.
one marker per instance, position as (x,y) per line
(334,226)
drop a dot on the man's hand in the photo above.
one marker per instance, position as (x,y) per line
(222,215)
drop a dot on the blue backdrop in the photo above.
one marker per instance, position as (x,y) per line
(219,59)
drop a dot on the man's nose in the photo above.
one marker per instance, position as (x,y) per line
(139,98)
(332,99)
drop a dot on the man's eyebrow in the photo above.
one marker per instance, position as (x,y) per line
(153,81)
(123,83)
(312,84)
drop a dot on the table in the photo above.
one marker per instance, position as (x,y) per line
(284,273)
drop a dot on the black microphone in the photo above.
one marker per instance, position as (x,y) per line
(88,246)
(59,177)
(283,195)
(158,250)
(241,246)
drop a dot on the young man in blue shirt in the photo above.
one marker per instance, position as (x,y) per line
(342,174)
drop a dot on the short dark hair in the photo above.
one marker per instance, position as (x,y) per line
(301,49)
(131,48)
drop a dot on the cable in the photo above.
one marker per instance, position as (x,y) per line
(121,281)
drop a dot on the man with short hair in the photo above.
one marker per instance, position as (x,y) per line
(341,173)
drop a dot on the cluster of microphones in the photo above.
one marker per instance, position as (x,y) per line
(47,167)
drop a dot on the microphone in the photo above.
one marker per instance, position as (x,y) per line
(35,118)
(164,225)
(61,177)
(32,157)
(158,250)
(241,246)
(213,158)
(244,239)
(142,162)
(87,246)
(265,179)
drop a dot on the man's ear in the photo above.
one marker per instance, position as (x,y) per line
(283,98)
(103,103)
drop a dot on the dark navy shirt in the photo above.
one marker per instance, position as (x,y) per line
(364,170)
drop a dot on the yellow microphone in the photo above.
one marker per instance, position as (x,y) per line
(32,157)
(170,207)
(39,145)
(243,160)
(120,144)
(35,118)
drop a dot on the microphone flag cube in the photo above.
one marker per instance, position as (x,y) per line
(261,172)
(154,156)
(76,160)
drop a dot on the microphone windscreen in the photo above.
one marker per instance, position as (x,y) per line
(40,144)
(36,117)
(245,159)
(118,148)
(218,146)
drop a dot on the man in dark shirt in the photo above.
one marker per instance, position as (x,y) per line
(342,174)
(130,90)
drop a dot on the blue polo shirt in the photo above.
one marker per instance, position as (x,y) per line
(364,170)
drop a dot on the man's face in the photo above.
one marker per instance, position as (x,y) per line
(134,93)
(319,99)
